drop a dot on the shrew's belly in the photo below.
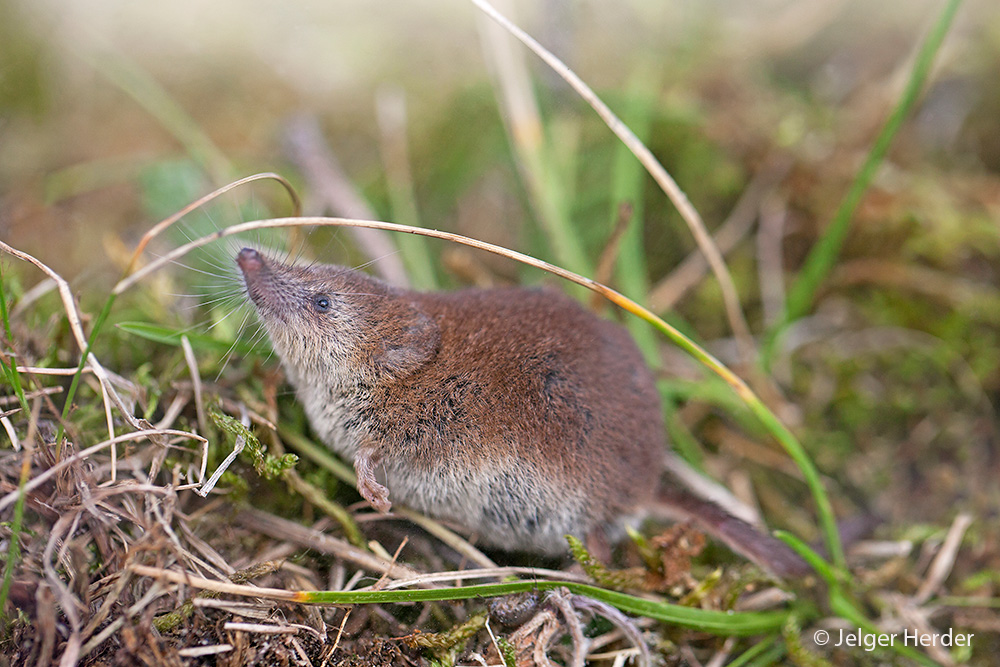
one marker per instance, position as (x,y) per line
(504,505)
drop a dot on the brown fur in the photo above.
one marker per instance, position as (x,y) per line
(513,412)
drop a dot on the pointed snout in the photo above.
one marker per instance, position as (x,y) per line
(249,260)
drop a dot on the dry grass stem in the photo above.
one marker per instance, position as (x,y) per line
(262,629)
(424,580)
(201,583)
(153,434)
(238,446)
(722,655)
(283,529)
(15,442)
(655,169)
(941,566)
(192,364)
(204,651)
(76,326)
(447,537)
(164,224)
(717,493)
(29,395)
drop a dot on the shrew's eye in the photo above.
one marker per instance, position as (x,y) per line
(321,303)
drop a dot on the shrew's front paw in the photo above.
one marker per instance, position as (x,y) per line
(368,486)
(376,494)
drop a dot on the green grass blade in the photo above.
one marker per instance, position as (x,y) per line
(75,383)
(13,555)
(810,556)
(10,371)
(168,336)
(824,254)
(840,603)
(628,179)
(718,622)
(752,655)
(417,257)
(828,522)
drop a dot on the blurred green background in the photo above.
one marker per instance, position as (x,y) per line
(721,87)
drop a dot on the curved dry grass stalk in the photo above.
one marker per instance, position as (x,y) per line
(170,220)
(612,295)
(666,182)
(76,326)
(272,223)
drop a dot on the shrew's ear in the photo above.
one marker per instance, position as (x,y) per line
(409,343)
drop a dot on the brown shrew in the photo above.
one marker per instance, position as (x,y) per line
(512,412)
